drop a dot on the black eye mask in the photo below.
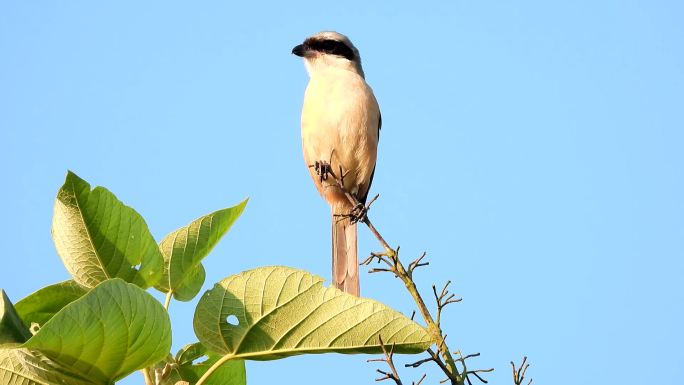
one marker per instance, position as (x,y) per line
(332,47)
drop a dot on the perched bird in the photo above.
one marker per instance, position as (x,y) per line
(340,131)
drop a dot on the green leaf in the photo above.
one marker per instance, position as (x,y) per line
(229,373)
(12,329)
(185,248)
(275,312)
(191,285)
(40,306)
(98,237)
(113,330)
(190,352)
(20,366)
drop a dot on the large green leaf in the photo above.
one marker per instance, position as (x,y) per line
(98,237)
(12,329)
(40,306)
(185,248)
(19,366)
(113,330)
(275,312)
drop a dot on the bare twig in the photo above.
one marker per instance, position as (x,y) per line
(475,373)
(388,358)
(443,299)
(381,258)
(416,264)
(462,360)
(438,360)
(390,258)
(368,205)
(419,362)
(519,373)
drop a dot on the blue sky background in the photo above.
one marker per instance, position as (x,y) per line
(534,149)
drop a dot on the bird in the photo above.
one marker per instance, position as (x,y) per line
(340,127)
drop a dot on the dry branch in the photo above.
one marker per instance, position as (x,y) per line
(389,258)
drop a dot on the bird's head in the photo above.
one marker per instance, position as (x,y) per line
(329,49)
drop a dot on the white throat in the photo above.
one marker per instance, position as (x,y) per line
(319,63)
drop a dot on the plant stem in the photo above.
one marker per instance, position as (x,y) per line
(146,371)
(148,376)
(434,330)
(213,368)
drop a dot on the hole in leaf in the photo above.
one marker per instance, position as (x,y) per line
(232,320)
(137,267)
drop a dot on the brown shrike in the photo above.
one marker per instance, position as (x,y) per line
(340,130)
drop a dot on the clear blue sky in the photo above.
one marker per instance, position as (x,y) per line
(534,149)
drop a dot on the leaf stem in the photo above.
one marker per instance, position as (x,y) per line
(148,376)
(214,367)
(167,302)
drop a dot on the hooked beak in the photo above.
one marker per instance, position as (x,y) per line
(299,50)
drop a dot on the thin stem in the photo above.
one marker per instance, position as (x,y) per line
(148,376)
(519,373)
(213,368)
(146,371)
(433,328)
(452,372)
(167,302)
(389,359)
(377,235)
(421,380)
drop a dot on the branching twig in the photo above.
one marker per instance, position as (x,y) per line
(416,264)
(390,257)
(443,299)
(519,373)
(462,360)
(419,362)
(380,257)
(419,381)
(388,358)
(438,360)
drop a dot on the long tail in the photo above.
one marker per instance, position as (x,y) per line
(345,265)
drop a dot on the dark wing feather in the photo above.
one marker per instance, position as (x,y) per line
(379,123)
(370,182)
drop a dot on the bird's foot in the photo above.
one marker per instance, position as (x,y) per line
(358,213)
(355,215)
(322,168)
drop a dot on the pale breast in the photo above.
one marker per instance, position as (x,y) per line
(340,120)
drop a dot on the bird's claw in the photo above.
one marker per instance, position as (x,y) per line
(322,169)
(358,213)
